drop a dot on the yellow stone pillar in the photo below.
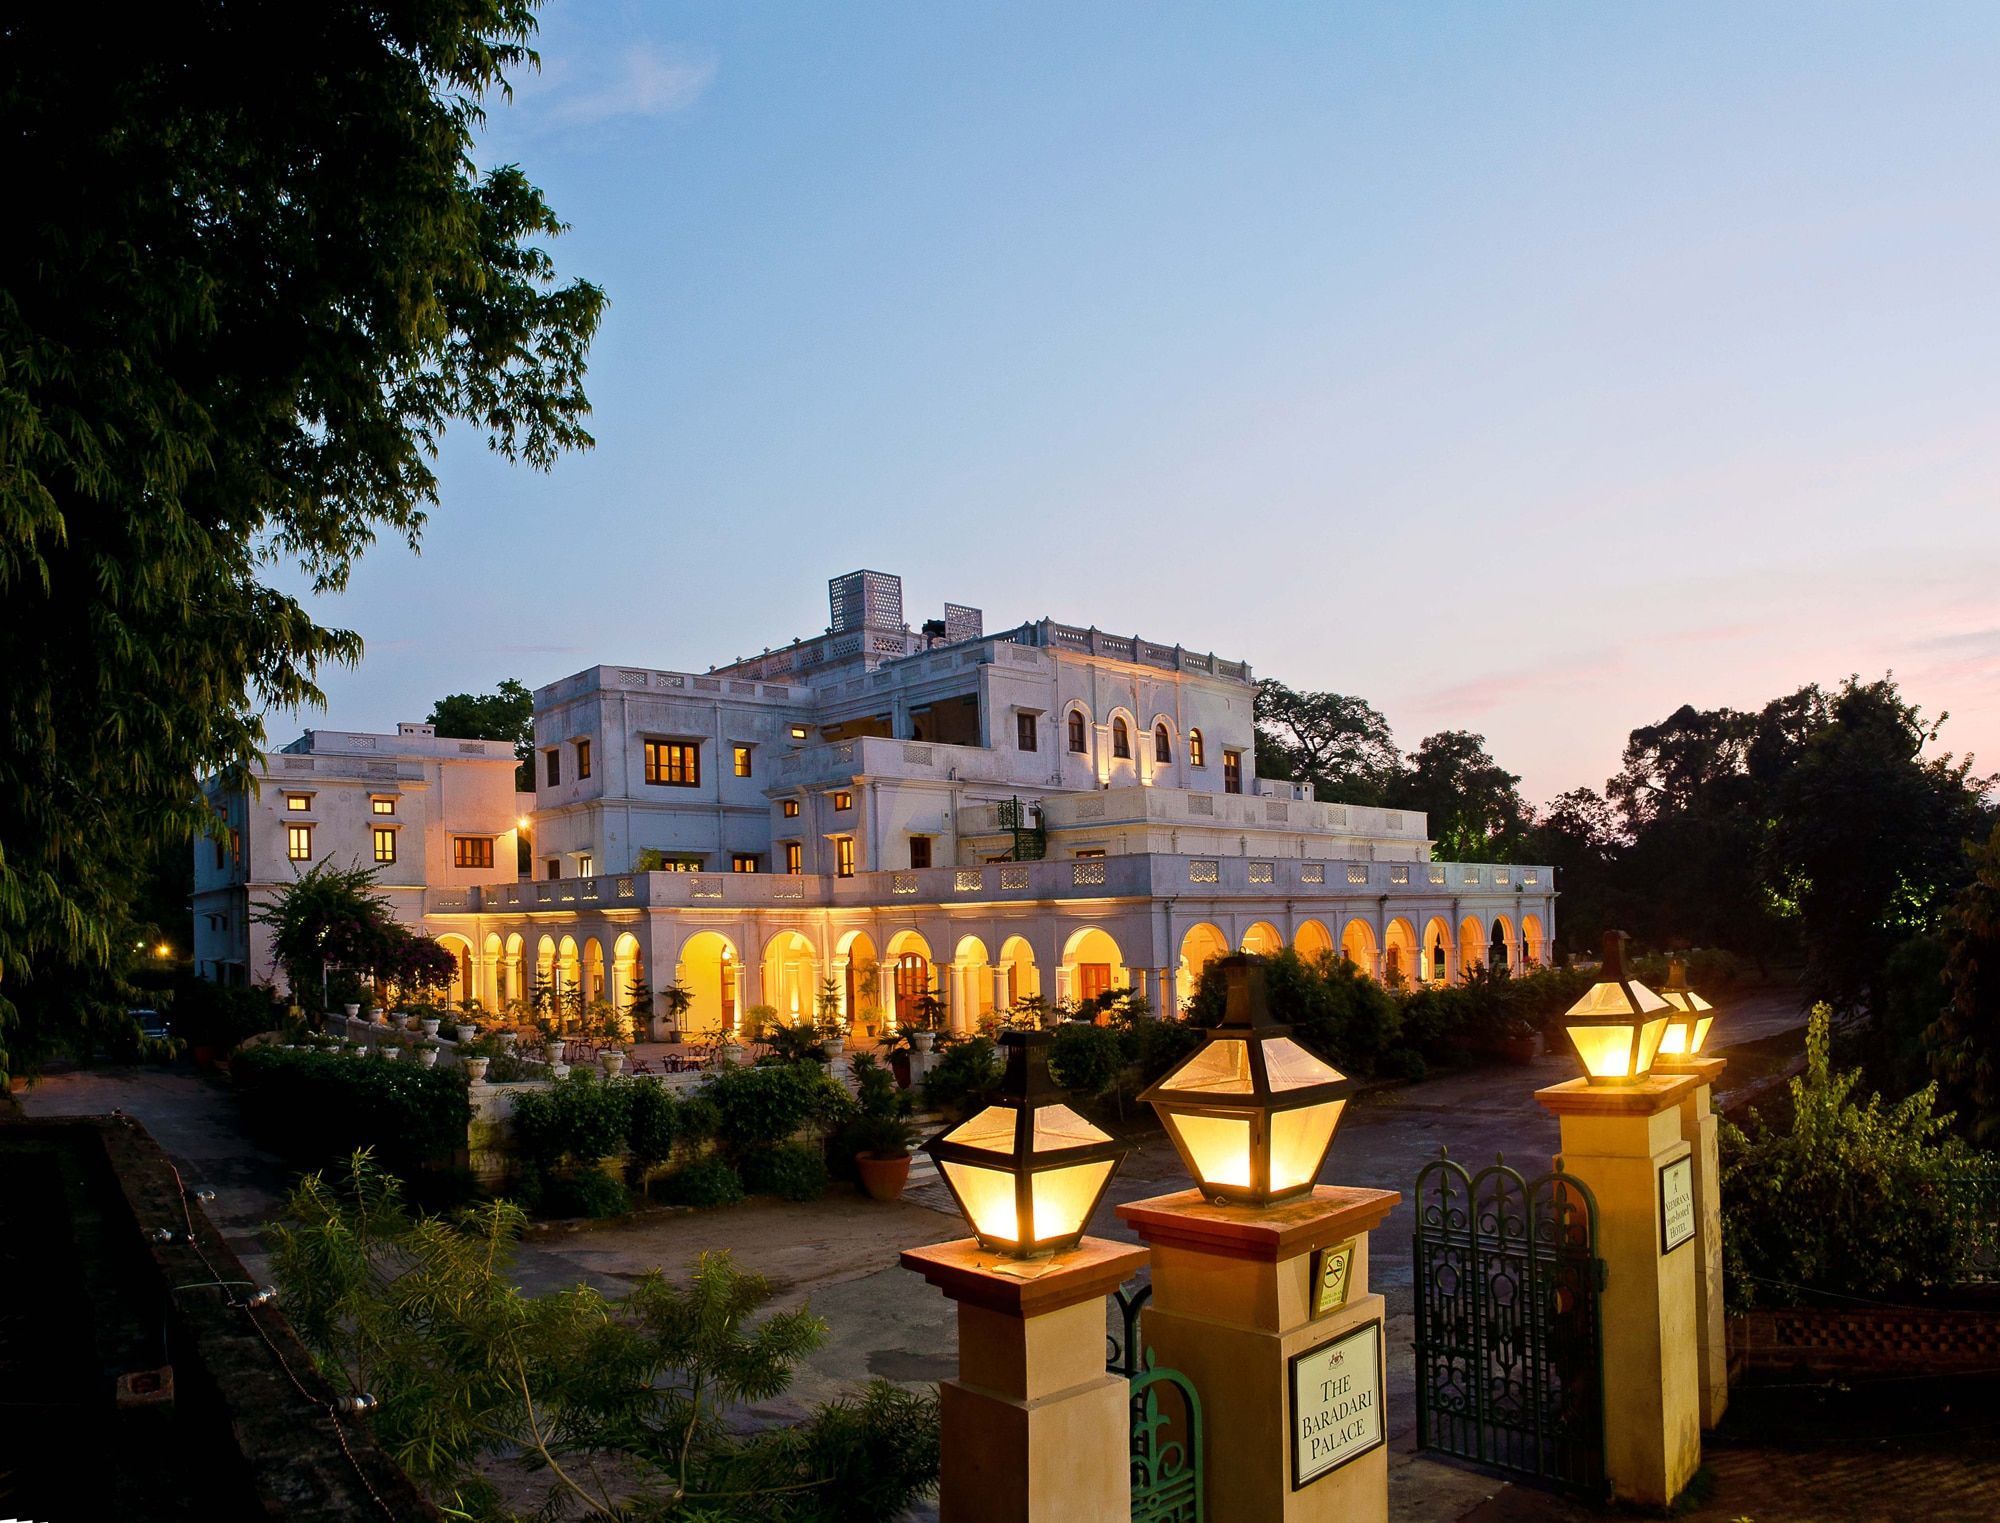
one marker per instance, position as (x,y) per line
(1623,1141)
(1034,1428)
(1234,1309)
(1698,1130)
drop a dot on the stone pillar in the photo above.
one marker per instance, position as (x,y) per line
(839,965)
(1062,982)
(1698,1131)
(1619,1140)
(999,989)
(1142,980)
(1170,994)
(957,1018)
(1034,1428)
(742,988)
(1232,1307)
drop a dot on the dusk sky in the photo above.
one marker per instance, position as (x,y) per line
(1527,369)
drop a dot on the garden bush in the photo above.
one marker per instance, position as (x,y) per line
(759,1106)
(704,1182)
(1339,1012)
(1850,1200)
(316,1108)
(788,1170)
(583,1192)
(1084,1058)
(653,1124)
(575,1120)
(966,1072)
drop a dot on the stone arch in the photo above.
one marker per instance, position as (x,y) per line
(791,978)
(493,952)
(1163,741)
(907,958)
(1471,945)
(1263,940)
(544,992)
(707,970)
(1023,978)
(1200,946)
(1500,945)
(1399,954)
(1121,735)
(858,973)
(1197,749)
(971,984)
(593,971)
(1311,939)
(1357,945)
(1076,730)
(462,985)
(628,972)
(569,984)
(1435,950)
(1533,952)
(1092,964)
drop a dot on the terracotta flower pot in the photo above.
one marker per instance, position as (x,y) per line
(883,1178)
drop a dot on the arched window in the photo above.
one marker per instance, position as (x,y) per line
(1195,758)
(1076,731)
(1163,745)
(1121,739)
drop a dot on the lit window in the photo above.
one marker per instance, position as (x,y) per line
(298,803)
(1121,739)
(742,761)
(920,851)
(1077,734)
(791,808)
(385,846)
(794,857)
(552,766)
(673,763)
(1195,758)
(843,800)
(299,842)
(843,856)
(798,732)
(1163,744)
(554,867)
(582,760)
(742,862)
(472,851)
(1232,771)
(382,806)
(586,865)
(1024,731)
(1086,853)
(236,847)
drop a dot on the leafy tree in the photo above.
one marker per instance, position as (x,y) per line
(1338,746)
(472,1375)
(1964,1041)
(1577,835)
(239,311)
(508,714)
(333,917)
(1475,808)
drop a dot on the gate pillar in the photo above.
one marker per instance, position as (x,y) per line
(1698,1130)
(1233,1308)
(1034,1429)
(1625,1143)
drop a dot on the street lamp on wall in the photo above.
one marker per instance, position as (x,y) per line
(1250,1111)
(1027,1172)
(1617,1027)
(1687,1026)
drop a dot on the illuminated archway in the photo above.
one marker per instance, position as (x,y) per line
(569,982)
(1357,945)
(1471,945)
(1263,939)
(509,976)
(791,978)
(1399,954)
(972,984)
(593,972)
(1092,965)
(708,972)
(544,992)
(1202,944)
(1435,950)
(1500,946)
(1531,940)
(461,985)
(1017,962)
(628,973)
(908,957)
(1312,940)
(856,967)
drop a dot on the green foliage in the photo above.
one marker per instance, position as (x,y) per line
(880,1125)
(766,1104)
(655,1121)
(1849,1201)
(246,311)
(312,1107)
(703,1182)
(1475,810)
(508,714)
(788,1170)
(966,1072)
(1964,1041)
(1339,1012)
(792,1044)
(1338,746)
(1086,1058)
(333,916)
(208,1014)
(619,1407)
(575,1120)
(583,1192)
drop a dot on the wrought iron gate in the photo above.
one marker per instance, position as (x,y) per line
(1508,1347)
(1166,1444)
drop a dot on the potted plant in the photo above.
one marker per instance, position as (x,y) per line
(429,1025)
(930,1014)
(676,999)
(612,1061)
(475,1070)
(882,1154)
(427,1054)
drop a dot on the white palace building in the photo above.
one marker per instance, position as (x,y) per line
(1047,810)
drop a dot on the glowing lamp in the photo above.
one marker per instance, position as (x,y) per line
(1027,1171)
(1687,1026)
(1617,1027)
(1250,1111)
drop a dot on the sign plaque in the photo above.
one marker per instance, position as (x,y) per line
(1331,1268)
(1336,1403)
(1676,1203)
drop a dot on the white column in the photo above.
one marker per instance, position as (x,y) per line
(1142,979)
(742,988)
(999,987)
(1170,993)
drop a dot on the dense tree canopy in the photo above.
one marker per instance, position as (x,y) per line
(1474,804)
(1336,745)
(508,714)
(239,307)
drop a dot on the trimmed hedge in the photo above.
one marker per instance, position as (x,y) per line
(316,1108)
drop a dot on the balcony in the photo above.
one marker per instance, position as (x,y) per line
(879,756)
(1357,831)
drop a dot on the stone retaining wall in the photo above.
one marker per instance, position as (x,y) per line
(1865,1340)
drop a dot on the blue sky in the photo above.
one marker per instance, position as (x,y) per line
(1528,369)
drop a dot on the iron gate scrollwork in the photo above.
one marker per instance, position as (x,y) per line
(1508,1339)
(1166,1440)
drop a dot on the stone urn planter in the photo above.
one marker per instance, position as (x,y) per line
(475,1070)
(508,1037)
(883,1176)
(390,1052)
(921,1040)
(555,1051)
(612,1061)
(430,1027)
(835,1046)
(468,1031)
(378,1016)
(427,1056)
(352,1012)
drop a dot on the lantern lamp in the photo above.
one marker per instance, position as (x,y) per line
(1027,1171)
(1617,1026)
(1250,1111)
(1687,1027)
